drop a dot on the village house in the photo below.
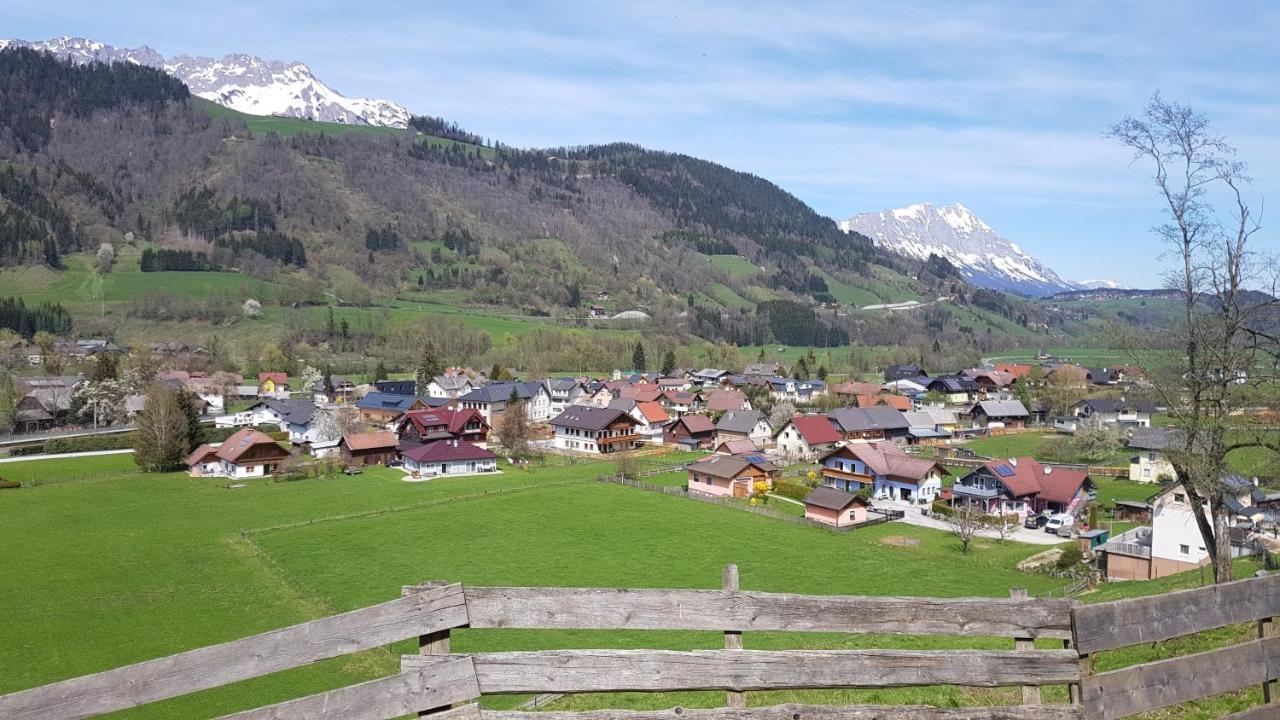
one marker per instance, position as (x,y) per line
(901,403)
(211,389)
(45,403)
(870,424)
(492,400)
(564,392)
(907,386)
(651,418)
(419,427)
(396,387)
(246,454)
(798,391)
(368,448)
(730,475)
(385,409)
(805,437)
(1008,414)
(885,469)
(835,507)
(954,389)
(1017,370)
(736,447)
(690,431)
(1151,464)
(751,425)
(909,371)
(449,457)
(853,388)
(764,370)
(678,402)
(1022,487)
(273,385)
(448,386)
(707,377)
(1173,543)
(583,428)
(930,426)
(990,381)
(1122,413)
(726,399)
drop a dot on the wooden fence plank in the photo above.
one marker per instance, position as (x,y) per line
(1107,626)
(1163,683)
(808,712)
(717,610)
(732,638)
(218,665)
(1261,712)
(572,671)
(382,699)
(1030,694)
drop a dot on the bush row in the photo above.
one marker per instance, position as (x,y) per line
(122,441)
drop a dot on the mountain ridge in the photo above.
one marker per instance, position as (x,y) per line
(240,81)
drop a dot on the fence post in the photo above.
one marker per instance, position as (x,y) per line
(1076,691)
(732,639)
(1030,694)
(436,643)
(1266,629)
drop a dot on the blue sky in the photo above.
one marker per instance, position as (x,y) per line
(851,106)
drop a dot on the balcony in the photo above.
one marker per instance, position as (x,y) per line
(1134,543)
(974,491)
(846,475)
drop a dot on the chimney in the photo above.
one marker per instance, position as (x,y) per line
(1013,462)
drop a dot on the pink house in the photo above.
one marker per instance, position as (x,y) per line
(730,475)
(835,507)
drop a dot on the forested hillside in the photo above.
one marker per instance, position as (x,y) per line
(119,155)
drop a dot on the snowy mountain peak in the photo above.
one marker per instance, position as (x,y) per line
(241,82)
(957,234)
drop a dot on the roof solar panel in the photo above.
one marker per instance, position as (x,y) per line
(1004,470)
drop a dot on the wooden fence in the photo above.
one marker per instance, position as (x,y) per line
(436,681)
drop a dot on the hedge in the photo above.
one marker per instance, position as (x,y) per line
(788,489)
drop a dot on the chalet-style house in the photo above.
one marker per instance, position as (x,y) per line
(583,428)
(910,387)
(1023,486)
(730,475)
(45,404)
(246,454)
(678,402)
(954,389)
(999,414)
(885,469)
(448,386)
(492,400)
(652,419)
(805,437)
(930,426)
(853,388)
(1017,370)
(910,371)
(1123,413)
(989,381)
(449,457)
(901,403)
(835,507)
(691,432)
(870,424)
(750,425)
(368,448)
(1151,464)
(385,409)
(736,447)
(564,392)
(273,384)
(295,416)
(726,399)
(1173,543)
(763,370)
(800,391)
(419,427)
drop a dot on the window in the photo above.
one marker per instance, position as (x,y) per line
(1184,549)
(1179,498)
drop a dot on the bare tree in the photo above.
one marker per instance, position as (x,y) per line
(965,521)
(162,431)
(1224,338)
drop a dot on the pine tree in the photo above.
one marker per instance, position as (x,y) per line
(428,368)
(669,362)
(380,372)
(637,357)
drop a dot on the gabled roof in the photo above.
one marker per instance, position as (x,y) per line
(453,421)
(908,370)
(695,423)
(1027,476)
(740,421)
(278,378)
(736,447)
(831,498)
(710,373)
(448,451)
(244,440)
(381,440)
(816,429)
(386,401)
(726,399)
(563,384)
(589,417)
(452,382)
(872,418)
(952,384)
(1002,408)
(501,391)
(652,412)
(762,368)
(1156,438)
(886,459)
(730,466)
(901,403)
(1017,370)
(853,387)
(679,397)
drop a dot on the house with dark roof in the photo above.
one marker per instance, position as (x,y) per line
(1151,463)
(396,387)
(1110,411)
(1023,486)
(45,403)
(750,425)
(835,507)
(793,390)
(419,427)
(448,386)
(870,424)
(805,437)
(368,448)
(909,371)
(691,431)
(448,457)
(492,400)
(385,409)
(999,414)
(564,392)
(955,389)
(246,454)
(730,475)
(884,469)
(589,429)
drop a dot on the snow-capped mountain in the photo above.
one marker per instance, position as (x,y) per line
(955,233)
(241,82)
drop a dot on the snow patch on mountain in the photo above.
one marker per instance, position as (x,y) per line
(1099,285)
(241,82)
(954,232)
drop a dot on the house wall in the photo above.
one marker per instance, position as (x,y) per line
(720,487)
(1150,465)
(457,467)
(792,444)
(377,456)
(1173,528)
(1125,567)
(853,515)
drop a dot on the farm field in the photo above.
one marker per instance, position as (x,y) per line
(736,265)
(153,564)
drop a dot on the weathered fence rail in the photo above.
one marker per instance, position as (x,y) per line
(435,681)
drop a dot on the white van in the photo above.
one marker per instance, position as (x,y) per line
(1059,524)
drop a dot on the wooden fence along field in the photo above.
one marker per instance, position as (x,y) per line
(446,685)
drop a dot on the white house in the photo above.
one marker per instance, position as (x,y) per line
(806,436)
(246,454)
(589,429)
(449,386)
(492,400)
(565,392)
(749,425)
(449,457)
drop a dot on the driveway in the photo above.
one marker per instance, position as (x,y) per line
(913,516)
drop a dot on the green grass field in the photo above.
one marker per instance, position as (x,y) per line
(736,265)
(286,127)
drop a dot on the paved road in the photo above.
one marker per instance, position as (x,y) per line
(913,516)
(91,453)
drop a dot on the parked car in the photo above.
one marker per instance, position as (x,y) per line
(1058,523)
(1035,522)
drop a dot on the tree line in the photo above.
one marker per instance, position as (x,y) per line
(26,321)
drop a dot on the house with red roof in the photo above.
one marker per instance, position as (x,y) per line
(678,402)
(726,399)
(652,418)
(419,427)
(885,469)
(691,432)
(1023,486)
(805,437)
(449,457)
(901,403)
(248,453)
(273,384)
